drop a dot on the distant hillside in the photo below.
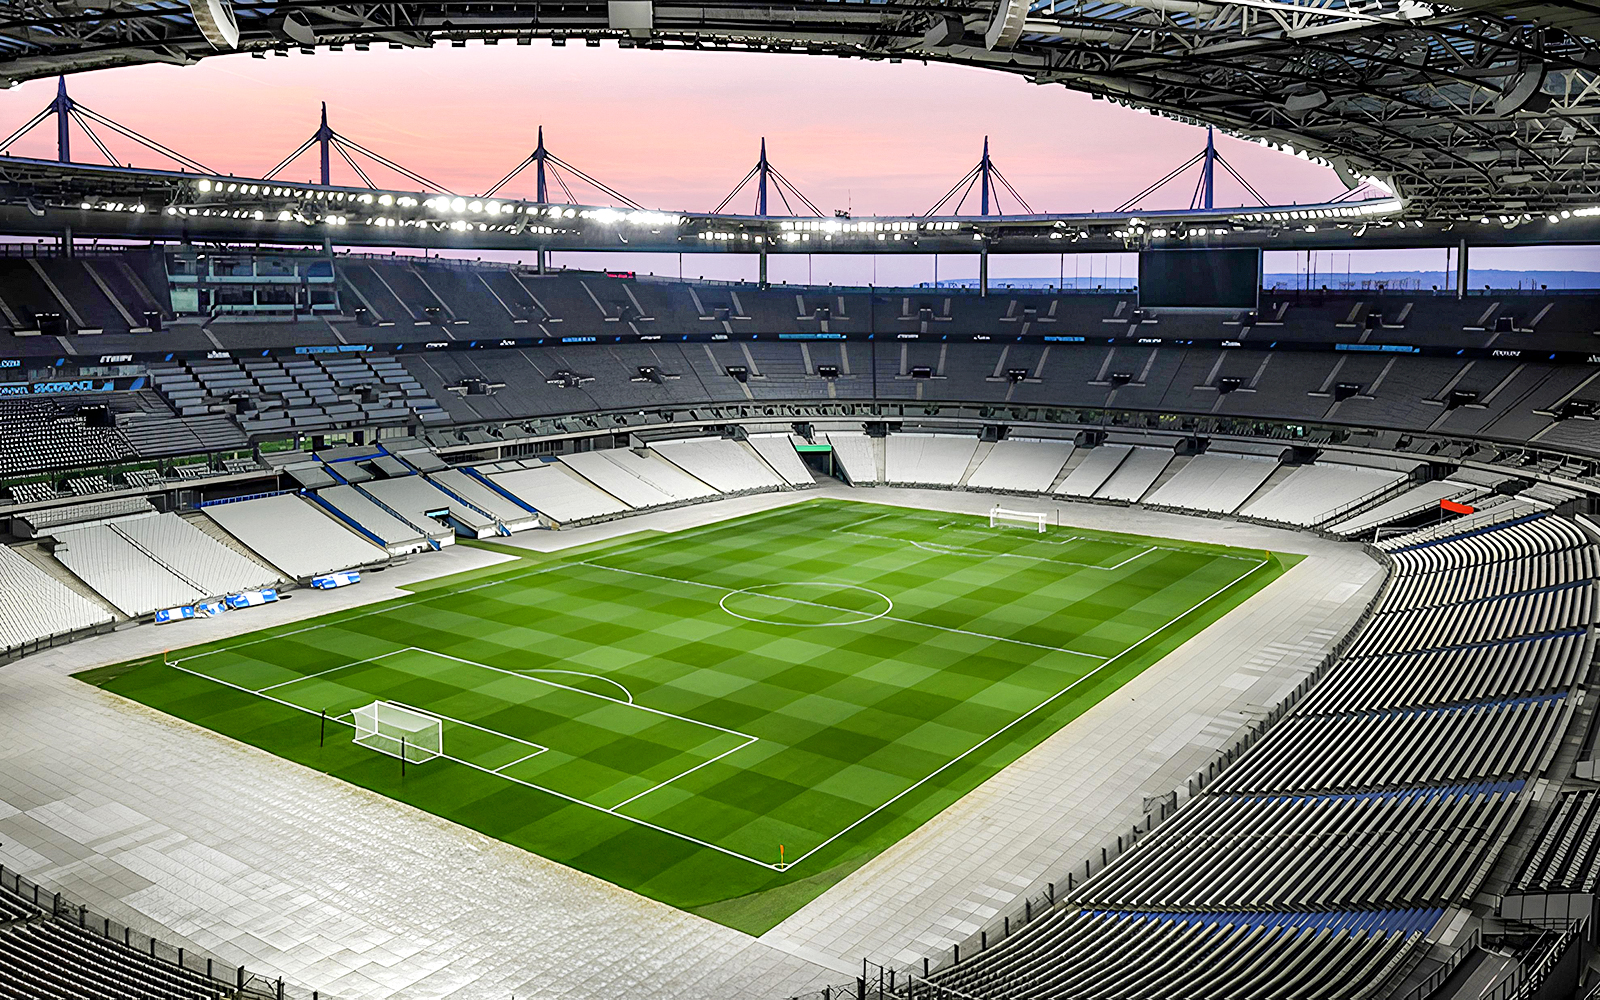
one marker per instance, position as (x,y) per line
(1416,280)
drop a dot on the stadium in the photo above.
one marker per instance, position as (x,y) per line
(394,604)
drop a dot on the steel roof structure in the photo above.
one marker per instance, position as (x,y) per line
(46,197)
(1463,111)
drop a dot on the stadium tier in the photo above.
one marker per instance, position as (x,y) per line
(764,603)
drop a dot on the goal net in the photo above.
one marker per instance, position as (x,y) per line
(1000,515)
(395,730)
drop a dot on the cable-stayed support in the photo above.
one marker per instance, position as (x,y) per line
(68,112)
(548,166)
(331,142)
(767,179)
(1204,194)
(984,176)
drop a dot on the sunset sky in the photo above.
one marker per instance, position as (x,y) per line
(677,130)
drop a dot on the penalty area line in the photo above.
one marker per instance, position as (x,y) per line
(953,761)
(506,777)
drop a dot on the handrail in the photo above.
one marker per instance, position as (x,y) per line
(1525,978)
(231,980)
(1339,512)
(1435,979)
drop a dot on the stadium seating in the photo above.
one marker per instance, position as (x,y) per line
(927,459)
(367,516)
(856,458)
(1566,856)
(483,496)
(1097,466)
(34,605)
(725,466)
(413,497)
(1021,466)
(1312,494)
(1135,474)
(122,572)
(1379,801)
(559,493)
(54,953)
(1214,482)
(778,451)
(194,556)
(292,534)
(42,436)
(622,484)
(1423,497)
(659,474)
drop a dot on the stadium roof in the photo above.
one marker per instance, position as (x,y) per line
(1463,112)
(43,196)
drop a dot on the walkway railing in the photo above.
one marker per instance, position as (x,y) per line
(235,981)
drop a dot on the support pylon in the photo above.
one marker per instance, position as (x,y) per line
(985,167)
(548,166)
(763,169)
(1204,195)
(329,142)
(68,111)
(984,176)
(325,141)
(63,112)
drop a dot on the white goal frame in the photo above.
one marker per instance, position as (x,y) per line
(999,514)
(398,731)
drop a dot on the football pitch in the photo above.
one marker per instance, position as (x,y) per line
(728,719)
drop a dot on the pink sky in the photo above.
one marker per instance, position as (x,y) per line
(676,130)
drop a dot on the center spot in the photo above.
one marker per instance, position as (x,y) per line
(807,605)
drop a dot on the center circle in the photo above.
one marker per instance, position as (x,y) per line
(810,604)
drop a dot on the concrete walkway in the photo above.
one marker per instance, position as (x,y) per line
(176,829)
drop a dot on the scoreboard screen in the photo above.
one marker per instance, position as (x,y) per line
(1200,279)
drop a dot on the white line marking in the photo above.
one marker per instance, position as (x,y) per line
(886,617)
(579,673)
(889,605)
(1024,715)
(319,673)
(430,595)
(946,548)
(526,784)
(675,777)
(1136,555)
(519,760)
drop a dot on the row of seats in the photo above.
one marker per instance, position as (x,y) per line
(43,435)
(726,466)
(44,957)
(305,395)
(1386,792)
(1479,672)
(1466,583)
(1018,465)
(927,459)
(51,960)
(560,379)
(1217,482)
(292,534)
(1566,857)
(486,300)
(1481,620)
(152,561)
(1406,746)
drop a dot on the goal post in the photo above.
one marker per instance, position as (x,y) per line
(1000,515)
(399,731)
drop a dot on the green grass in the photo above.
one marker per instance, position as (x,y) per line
(665,711)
